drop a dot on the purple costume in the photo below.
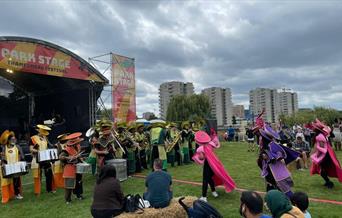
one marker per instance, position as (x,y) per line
(273,160)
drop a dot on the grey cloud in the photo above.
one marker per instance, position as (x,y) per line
(241,45)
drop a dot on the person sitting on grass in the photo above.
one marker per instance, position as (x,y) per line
(158,186)
(251,205)
(280,206)
(301,200)
(108,198)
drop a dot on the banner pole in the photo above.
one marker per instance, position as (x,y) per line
(112,86)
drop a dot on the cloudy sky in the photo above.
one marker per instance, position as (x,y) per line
(237,44)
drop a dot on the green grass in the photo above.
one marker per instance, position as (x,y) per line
(240,164)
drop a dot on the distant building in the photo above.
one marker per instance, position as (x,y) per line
(148,115)
(264,99)
(288,102)
(168,90)
(221,104)
(273,102)
(239,111)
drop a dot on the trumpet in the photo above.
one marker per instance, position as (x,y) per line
(171,145)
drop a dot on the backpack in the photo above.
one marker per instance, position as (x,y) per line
(132,203)
(200,209)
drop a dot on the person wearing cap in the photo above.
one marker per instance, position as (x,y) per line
(105,145)
(173,134)
(133,162)
(38,143)
(70,156)
(158,136)
(141,138)
(324,161)
(185,142)
(214,173)
(10,154)
(57,165)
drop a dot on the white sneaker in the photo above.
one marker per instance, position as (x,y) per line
(19,197)
(214,194)
(203,199)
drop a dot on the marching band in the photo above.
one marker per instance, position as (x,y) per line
(64,163)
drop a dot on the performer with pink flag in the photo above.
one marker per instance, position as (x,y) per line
(324,161)
(214,173)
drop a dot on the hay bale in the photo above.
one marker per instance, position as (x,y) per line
(174,210)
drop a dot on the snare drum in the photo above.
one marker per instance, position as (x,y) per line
(14,170)
(121,168)
(82,168)
(47,155)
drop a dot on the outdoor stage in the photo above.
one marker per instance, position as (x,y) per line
(40,81)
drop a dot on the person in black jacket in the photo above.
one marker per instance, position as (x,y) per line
(108,200)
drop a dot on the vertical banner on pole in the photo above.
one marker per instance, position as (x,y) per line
(123,80)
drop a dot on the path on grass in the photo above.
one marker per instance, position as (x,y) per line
(241,190)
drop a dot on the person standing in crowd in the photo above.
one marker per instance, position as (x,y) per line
(280,206)
(105,146)
(337,140)
(57,165)
(158,186)
(108,199)
(250,139)
(324,161)
(301,200)
(251,205)
(230,133)
(10,153)
(172,135)
(39,143)
(132,151)
(141,138)
(185,142)
(304,149)
(214,173)
(70,156)
(93,137)
(158,136)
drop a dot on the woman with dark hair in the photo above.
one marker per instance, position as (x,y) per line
(108,197)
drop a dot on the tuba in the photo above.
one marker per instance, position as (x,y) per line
(171,145)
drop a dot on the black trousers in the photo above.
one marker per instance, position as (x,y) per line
(325,164)
(105,213)
(178,155)
(137,161)
(16,184)
(154,155)
(207,179)
(46,167)
(142,154)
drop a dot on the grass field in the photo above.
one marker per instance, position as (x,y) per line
(240,164)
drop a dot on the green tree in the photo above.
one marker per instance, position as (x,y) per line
(192,107)
(328,115)
(234,120)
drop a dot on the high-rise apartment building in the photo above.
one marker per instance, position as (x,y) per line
(288,102)
(168,90)
(221,104)
(273,102)
(264,99)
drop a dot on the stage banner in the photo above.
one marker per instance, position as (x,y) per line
(123,80)
(29,57)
